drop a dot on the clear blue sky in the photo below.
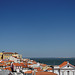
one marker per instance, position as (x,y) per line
(38,28)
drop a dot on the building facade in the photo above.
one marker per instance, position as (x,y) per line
(6,55)
(64,69)
(1,55)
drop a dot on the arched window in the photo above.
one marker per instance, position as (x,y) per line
(67,72)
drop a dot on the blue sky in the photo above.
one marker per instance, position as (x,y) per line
(38,28)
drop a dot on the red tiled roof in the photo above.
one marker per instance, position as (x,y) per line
(28,72)
(9,64)
(7,53)
(65,63)
(24,65)
(8,68)
(3,64)
(15,53)
(38,69)
(17,64)
(6,61)
(49,69)
(45,73)
(43,65)
(30,64)
(10,60)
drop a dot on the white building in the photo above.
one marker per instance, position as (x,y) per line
(16,60)
(64,69)
(4,72)
(16,67)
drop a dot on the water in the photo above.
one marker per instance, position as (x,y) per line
(54,61)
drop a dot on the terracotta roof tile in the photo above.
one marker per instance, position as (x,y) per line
(10,60)
(28,72)
(24,65)
(7,53)
(49,69)
(65,63)
(45,73)
(43,65)
(38,69)
(3,64)
(8,68)
(17,64)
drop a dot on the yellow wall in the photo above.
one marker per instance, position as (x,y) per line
(1,55)
(6,56)
(17,55)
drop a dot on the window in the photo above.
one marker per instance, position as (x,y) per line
(73,73)
(67,72)
(62,73)
(68,66)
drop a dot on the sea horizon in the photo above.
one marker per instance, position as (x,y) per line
(48,57)
(53,61)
